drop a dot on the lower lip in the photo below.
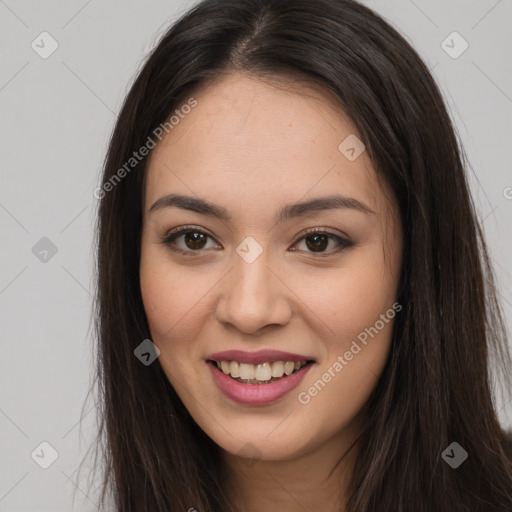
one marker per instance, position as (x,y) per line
(257,394)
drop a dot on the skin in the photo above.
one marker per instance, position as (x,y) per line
(253,146)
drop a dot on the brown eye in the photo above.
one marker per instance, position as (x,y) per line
(317,242)
(193,240)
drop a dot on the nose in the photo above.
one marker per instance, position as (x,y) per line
(254,297)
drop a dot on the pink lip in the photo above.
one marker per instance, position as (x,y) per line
(262,356)
(256,394)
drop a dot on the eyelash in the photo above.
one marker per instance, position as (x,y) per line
(170,238)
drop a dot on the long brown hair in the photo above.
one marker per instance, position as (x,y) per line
(437,386)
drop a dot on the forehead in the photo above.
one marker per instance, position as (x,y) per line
(251,138)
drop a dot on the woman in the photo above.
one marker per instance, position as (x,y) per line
(295,305)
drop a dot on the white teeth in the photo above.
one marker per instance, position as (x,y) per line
(289,366)
(246,371)
(234,369)
(261,372)
(277,369)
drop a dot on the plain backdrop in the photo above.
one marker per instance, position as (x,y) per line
(56,117)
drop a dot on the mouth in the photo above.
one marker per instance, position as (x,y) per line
(258,374)
(257,378)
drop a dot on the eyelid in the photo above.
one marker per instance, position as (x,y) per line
(321,231)
(343,241)
(174,233)
(180,230)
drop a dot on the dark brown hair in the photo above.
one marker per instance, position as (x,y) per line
(437,386)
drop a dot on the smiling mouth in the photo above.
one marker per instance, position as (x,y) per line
(264,373)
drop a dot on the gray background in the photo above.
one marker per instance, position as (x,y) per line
(57,114)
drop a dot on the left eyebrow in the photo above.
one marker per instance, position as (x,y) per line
(287,212)
(323,203)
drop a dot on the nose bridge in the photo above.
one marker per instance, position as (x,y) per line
(252,278)
(253,297)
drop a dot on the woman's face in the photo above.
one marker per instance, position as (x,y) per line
(251,285)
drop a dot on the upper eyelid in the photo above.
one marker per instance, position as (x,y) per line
(180,231)
(184,230)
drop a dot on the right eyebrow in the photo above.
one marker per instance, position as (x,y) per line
(190,203)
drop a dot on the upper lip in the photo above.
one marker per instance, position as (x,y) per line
(261,356)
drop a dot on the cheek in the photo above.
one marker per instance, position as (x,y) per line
(349,372)
(168,292)
(164,297)
(350,299)
(356,306)
(335,397)
(166,302)
(177,304)
(159,295)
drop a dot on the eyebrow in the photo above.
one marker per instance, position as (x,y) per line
(287,212)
